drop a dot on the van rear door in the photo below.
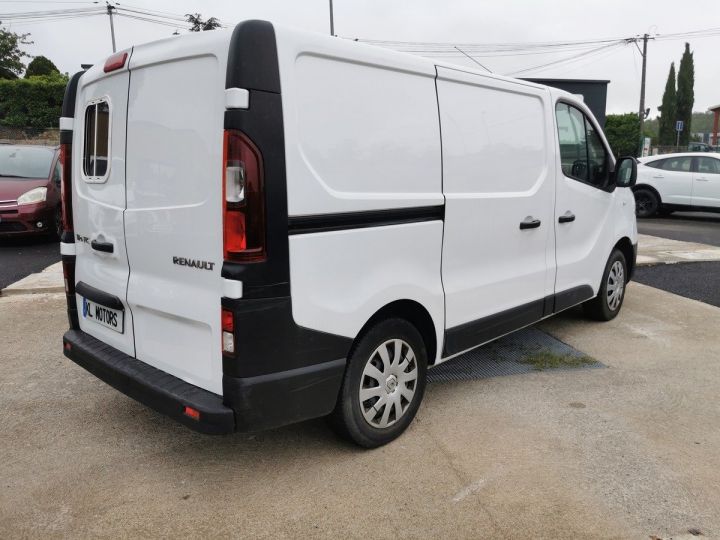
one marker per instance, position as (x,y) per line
(101,268)
(173,220)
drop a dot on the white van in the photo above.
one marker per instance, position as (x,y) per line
(266,225)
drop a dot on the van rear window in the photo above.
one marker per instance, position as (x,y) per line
(97,139)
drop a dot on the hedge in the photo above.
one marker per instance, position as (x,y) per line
(34,102)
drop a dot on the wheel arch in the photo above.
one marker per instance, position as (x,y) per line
(626,248)
(649,188)
(413,312)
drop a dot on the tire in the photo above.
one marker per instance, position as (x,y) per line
(606,305)
(647,203)
(398,389)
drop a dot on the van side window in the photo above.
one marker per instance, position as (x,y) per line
(97,139)
(582,153)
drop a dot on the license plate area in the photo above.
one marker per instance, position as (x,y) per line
(114,319)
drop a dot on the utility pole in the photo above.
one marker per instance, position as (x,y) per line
(110,9)
(642,89)
(332,21)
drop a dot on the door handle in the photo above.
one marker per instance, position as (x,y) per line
(702,179)
(529,223)
(658,176)
(105,247)
(567,217)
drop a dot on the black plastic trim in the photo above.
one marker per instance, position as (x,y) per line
(361,220)
(98,296)
(471,334)
(253,64)
(278,399)
(633,264)
(68,104)
(148,385)
(572,297)
(252,60)
(268,340)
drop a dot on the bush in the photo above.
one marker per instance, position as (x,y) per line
(623,133)
(33,102)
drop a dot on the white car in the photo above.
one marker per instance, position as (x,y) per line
(685,181)
(267,225)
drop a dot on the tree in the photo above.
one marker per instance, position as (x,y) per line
(666,130)
(11,56)
(198,25)
(623,133)
(40,66)
(685,93)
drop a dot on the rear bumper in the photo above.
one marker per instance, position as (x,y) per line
(248,404)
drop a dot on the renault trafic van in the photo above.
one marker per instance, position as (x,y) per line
(266,225)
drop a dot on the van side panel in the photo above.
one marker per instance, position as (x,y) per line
(174,218)
(362,138)
(498,172)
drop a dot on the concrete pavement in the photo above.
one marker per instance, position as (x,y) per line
(624,452)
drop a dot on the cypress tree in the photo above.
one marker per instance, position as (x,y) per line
(685,93)
(666,128)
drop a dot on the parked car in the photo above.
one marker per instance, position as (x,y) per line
(29,190)
(670,182)
(307,224)
(701,147)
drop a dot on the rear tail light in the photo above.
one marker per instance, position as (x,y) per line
(228,334)
(66,186)
(243,200)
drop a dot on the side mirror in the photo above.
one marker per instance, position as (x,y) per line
(625,173)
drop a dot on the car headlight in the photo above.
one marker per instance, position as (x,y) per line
(33,196)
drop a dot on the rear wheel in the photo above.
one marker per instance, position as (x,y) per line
(606,305)
(647,203)
(383,385)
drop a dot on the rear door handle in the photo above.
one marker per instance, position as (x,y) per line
(567,217)
(658,176)
(105,247)
(702,179)
(529,223)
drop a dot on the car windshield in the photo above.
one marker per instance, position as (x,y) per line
(25,161)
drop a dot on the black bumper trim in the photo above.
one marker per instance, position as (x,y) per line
(148,385)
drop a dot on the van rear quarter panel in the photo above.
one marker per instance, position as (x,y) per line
(361,133)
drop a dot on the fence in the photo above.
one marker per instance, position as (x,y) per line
(29,135)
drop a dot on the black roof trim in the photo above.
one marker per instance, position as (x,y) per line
(68,104)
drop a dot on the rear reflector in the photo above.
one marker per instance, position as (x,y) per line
(116,61)
(244,200)
(192,413)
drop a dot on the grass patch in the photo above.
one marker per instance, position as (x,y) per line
(543,360)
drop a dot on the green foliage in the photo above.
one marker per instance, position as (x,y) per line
(668,110)
(198,25)
(40,66)
(11,57)
(623,133)
(686,93)
(34,102)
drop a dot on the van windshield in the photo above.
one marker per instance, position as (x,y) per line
(25,161)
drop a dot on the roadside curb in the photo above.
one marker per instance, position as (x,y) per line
(654,250)
(49,280)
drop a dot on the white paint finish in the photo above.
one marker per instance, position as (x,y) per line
(340,279)
(98,208)
(706,182)
(674,187)
(602,219)
(361,126)
(174,193)
(237,98)
(498,170)
(232,288)
(66,124)
(67,249)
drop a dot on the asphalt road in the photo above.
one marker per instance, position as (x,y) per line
(684,226)
(697,280)
(22,257)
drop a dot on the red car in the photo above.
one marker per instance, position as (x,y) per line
(29,190)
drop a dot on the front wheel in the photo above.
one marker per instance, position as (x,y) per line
(383,385)
(606,305)
(647,203)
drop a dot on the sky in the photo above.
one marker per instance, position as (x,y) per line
(71,42)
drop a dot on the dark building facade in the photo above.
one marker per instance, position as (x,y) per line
(594,92)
